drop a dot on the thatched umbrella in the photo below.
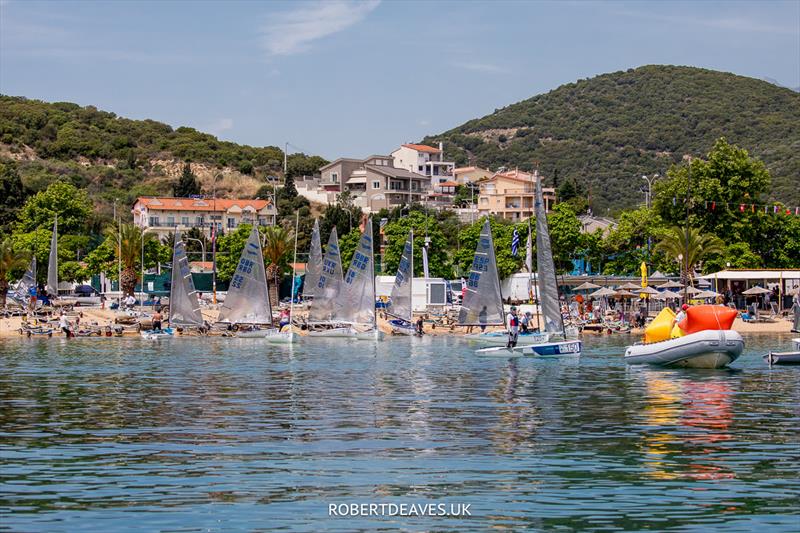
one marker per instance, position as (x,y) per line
(586,286)
(629,286)
(670,285)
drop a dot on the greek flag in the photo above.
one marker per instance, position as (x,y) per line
(515,243)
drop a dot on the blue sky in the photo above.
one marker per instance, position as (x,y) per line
(344,78)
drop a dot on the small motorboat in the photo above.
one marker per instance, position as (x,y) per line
(545,349)
(155,334)
(705,349)
(501,337)
(785,358)
(402,327)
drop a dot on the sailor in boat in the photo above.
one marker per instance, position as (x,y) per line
(285,319)
(681,314)
(157,318)
(524,321)
(513,327)
(482,319)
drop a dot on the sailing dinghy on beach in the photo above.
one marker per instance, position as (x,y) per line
(184,306)
(399,307)
(247,304)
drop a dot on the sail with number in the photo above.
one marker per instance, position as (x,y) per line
(330,280)
(356,302)
(52,263)
(247,301)
(184,307)
(23,291)
(400,303)
(314,265)
(546,269)
(483,302)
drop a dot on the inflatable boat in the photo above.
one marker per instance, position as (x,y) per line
(785,358)
(704,349)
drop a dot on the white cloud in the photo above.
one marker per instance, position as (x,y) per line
(293,31)
(481,67)
(738,24)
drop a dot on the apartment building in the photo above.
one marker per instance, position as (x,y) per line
(374,182)
(425,160)
(464,175)
(511,194)
(163,216)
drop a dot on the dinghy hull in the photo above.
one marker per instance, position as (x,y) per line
(155,335)
(704,349)
(401,327)
(554,349)
(783,358)
(501,337)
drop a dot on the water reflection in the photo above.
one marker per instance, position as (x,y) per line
(229,433)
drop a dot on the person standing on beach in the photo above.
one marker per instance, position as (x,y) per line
(513,327)
(482,318)
(63,323)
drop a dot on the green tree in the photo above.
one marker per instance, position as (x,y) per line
(187,184)
(72,206)
(128,249)
(626,246)
(229,249)
(11,259)
(395,234)
(565,235)
(278,247)
(689,249)
(11,191)
(343,214)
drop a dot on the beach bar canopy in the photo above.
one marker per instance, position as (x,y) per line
(787,281)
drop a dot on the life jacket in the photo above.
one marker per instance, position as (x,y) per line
(514,322)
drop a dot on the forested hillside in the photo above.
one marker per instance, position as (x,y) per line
(606,132)
(115,158)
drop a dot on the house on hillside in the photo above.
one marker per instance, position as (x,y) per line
(163,216)
(425,160)
(590,224)
(374,182)
(510,195)
(464,175)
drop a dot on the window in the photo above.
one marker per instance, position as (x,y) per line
(376,184)
(185,221)
(421,168)
(231,222)
(199,221)
(154,221)
(413,185)
(171,221)
(335,177)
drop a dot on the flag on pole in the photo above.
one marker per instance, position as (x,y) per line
(529,251)
(515,243)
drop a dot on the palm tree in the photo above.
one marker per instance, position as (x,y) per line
(700,247)
(9,260)
(129,249)
(279,242)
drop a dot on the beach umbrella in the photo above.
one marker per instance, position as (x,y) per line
(602,293)
(706,294)
(647,290)
(629,286)
(693,291)
(666,295)
(586,286)
(756,290)
(670,285)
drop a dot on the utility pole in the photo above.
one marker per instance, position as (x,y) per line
(686,250)
(648,202)
(285,161)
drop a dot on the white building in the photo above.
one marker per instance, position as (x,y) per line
(425,160)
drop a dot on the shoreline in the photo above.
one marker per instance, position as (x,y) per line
(96,317)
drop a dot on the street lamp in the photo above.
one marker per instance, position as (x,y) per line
(202,246)
(649,180)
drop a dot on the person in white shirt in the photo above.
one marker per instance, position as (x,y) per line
(63,323)
(681,314)
(512,323)
(129,301)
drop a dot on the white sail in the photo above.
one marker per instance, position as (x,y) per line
(330,280)
(247,301)
(483,302)
(400,303)
(52,264)
(356,303)
(546,269)
(184,308)
(314,265)
(23,291)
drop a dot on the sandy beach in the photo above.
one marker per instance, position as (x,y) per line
(96,317)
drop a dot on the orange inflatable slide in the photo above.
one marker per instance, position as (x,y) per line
(703,317)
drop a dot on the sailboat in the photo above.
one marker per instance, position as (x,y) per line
(483,302)
(344,306)
(548,285)
(184,307)
(247,304)
(22,293)
(52,265)
(314,265)
(400,308)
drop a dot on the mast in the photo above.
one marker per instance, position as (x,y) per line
(52,263)
(686,250)
(294,269)
(411,282)
(531,280)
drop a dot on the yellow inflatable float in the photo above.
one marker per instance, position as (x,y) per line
(661,326)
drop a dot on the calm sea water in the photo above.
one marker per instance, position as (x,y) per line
(235,434)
